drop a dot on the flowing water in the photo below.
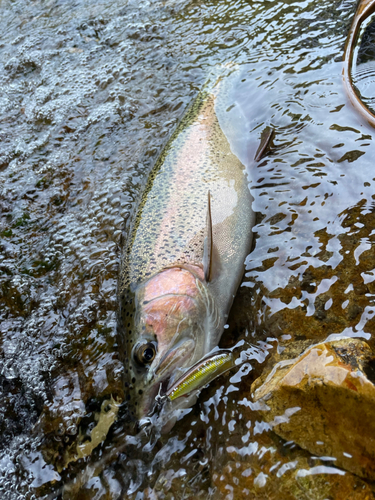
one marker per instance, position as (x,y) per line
(90,92)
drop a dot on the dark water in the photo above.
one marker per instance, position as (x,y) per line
(90,92)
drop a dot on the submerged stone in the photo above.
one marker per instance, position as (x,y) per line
(237,481)
(323,400)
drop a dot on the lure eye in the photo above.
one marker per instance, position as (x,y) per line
(144,353)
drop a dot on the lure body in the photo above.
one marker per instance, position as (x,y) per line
(201,374)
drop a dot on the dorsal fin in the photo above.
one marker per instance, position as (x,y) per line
(265,139)
(207,247)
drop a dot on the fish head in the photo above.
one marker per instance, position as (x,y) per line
(171,331)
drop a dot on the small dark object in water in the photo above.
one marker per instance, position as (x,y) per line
(364,10)
(265,139)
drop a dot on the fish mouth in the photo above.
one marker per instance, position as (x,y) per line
(184,386)
(178,356)
(165,370)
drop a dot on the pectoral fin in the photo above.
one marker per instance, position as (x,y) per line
(207,249)
(265,139)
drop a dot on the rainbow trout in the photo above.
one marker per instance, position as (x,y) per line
(183,260)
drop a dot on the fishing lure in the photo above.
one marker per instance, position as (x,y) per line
(201,374)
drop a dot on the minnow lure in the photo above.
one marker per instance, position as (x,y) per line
(201,374)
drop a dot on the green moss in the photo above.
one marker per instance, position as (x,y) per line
(57,201)
(6,233)
(104,330)
(22,221)
(43,183)
(42,267)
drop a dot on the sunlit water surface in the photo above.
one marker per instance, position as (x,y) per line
(90,92)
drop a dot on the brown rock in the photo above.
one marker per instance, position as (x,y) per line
(251,462)
(324,401)
(237,481)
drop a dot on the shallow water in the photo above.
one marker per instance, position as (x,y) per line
(90,92)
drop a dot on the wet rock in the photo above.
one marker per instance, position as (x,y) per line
(323,400)
(251,461)
(238,481)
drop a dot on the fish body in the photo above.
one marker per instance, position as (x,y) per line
(184,256)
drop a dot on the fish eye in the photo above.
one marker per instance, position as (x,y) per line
(144,353)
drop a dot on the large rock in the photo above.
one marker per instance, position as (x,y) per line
(236,481)
(324,401)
